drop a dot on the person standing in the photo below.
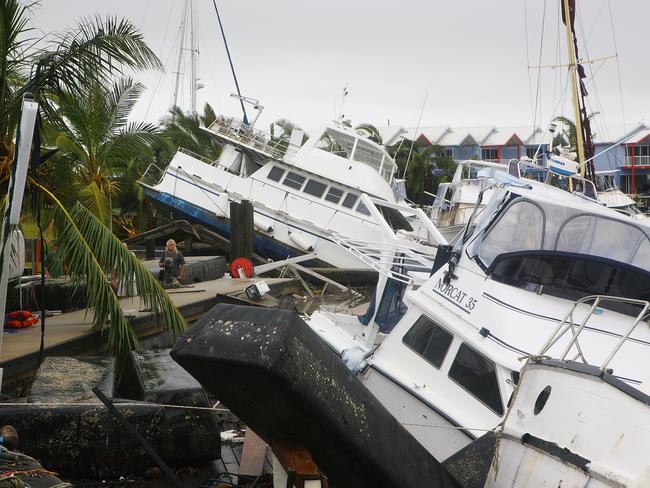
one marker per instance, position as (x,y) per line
(172,264)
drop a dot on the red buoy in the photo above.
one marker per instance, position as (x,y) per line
(243,264)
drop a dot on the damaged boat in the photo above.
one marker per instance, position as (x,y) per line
(274,372)
(301,194)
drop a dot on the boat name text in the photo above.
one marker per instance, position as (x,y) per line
(456,295)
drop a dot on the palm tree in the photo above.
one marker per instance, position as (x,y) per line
(568,134)
(184,130)
(88,248)
(97,143)
(94,50)
(68,63)
(369,131)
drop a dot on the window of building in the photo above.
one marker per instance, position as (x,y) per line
(349,200)
(315,188)
(276,173)
(294,180)
(477,374)
(488,153)
(334,194)
(361,208)
(429,340)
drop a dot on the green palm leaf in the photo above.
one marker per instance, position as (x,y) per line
(89,247)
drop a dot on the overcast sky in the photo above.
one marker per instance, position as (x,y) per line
(468,58)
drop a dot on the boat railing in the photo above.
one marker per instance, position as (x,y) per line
(153,175)
(393,260)
(197,156)
(568,325)
(257,140)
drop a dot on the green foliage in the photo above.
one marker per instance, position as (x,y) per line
(183,129)
(98,144)
(568,135)
(418,172)
(369,131)
(88,248)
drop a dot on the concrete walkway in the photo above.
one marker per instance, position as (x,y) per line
(72,333)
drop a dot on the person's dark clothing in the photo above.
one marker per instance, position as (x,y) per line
(172,263)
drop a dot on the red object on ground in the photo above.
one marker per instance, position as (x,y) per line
(245,264)
(20,318)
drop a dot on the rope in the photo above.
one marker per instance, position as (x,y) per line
(98,404)
(453,427)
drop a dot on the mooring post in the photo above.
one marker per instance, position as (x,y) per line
(247,229)
(150,249)
(241,230)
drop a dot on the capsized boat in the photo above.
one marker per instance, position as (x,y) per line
(279,378)
(301,195)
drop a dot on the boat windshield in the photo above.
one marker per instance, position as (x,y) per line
(526,225)
(357,148)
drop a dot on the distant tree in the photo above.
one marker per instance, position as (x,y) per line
(418,169)
(369,131)
(568,135)
(185,129)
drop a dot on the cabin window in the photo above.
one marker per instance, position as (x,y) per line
(361,208)
(334,195)
(315,188)
(349,200)
(276,173)
(477,374)
(294,180)
(429,340)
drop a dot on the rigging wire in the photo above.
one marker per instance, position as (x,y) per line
(596,95)
(538,97)
(408,159)
(530,85)
(162,49)
(618,64)
(232,67)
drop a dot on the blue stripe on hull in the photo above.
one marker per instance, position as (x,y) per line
(265,246)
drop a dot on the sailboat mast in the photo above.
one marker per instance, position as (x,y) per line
(181,43)
(194,49)
(573,72)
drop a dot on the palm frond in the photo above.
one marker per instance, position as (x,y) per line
(89,248)
(99,203)
(93,50)
(122,97)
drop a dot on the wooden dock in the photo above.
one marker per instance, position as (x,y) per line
(72,334)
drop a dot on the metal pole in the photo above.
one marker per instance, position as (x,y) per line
(573,71)
(181,41)
(193,26)
(24,139)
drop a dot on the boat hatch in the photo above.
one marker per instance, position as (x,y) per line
(357,148)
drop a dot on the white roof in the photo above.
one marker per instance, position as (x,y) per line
(391,134)
(504,136)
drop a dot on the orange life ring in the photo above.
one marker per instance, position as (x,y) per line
(245,264)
